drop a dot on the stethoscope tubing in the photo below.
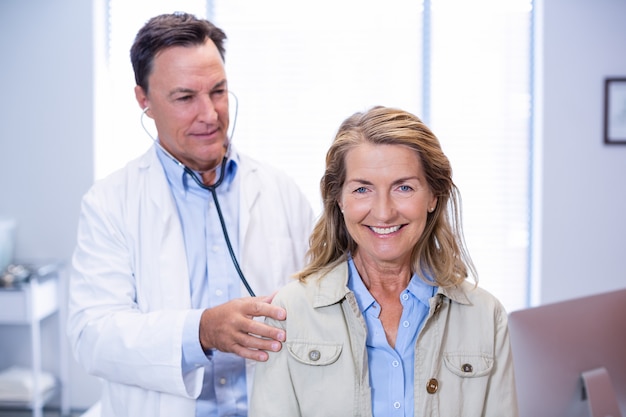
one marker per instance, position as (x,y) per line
(213,190)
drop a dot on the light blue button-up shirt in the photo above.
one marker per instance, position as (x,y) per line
(213,280)
(391,370)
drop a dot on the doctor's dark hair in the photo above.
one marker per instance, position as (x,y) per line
(440,253)
(167,30)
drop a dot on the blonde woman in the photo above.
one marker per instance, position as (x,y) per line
(383,321)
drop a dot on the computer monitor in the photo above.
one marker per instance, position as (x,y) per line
(554,345)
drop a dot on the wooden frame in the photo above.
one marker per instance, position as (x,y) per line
(615,111)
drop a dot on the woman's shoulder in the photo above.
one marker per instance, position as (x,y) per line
(472,295)
(321,288)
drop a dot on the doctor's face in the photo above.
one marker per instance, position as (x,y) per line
(188,100)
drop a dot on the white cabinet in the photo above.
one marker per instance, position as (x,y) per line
(28,304)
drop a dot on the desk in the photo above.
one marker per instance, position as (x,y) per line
(28,303)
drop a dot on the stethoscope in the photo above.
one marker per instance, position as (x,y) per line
(211,188)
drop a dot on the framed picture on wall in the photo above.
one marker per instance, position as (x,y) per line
(615,111)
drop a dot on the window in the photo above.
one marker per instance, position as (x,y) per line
(119,135)
(299,69)
(480,107)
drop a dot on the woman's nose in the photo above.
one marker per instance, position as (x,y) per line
(384,207)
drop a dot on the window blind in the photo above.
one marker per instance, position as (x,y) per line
(298,69)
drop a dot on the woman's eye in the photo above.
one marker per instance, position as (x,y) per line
(360,190)
(405,188)
(184,98)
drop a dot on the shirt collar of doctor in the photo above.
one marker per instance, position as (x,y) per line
(417,287)
(182,183)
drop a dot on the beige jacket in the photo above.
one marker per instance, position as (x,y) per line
(463,363)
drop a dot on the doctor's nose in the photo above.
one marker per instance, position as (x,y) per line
(207,111)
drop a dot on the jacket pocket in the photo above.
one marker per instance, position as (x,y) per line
(464,383)
(314,353)
(467,365)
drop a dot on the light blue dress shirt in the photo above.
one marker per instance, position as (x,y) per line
(213,280)
(391,370)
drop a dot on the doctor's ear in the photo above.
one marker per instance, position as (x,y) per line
(142,99)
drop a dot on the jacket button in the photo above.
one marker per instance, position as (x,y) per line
(432,386)
(315,355)
(467,367)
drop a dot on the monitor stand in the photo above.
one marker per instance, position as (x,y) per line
(600,394)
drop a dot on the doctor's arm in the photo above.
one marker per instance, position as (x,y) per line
(111,335)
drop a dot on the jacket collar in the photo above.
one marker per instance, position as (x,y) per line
(331,287)
(457,293)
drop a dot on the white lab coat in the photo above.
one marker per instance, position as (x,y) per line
(129,287)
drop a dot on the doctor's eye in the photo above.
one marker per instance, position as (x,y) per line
(219,93)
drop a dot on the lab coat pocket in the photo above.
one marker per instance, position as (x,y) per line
(314,353)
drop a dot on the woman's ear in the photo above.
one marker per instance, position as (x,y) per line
(433,205)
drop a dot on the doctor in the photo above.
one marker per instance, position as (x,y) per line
(157,309)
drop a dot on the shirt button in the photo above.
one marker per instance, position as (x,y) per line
(219,293)
(395,364)
(222,381)
(315,355)
(215,248)
(405,296)
(467,367)
(396,405)
(406,324)
(432,386)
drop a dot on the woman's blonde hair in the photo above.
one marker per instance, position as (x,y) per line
(440,253)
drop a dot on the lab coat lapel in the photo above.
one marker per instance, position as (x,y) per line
(172,271)
(250,186)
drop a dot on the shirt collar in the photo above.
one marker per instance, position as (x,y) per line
(181,182)
(423,291)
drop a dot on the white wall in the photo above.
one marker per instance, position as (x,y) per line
(583,196)
(46,162)
(46,148)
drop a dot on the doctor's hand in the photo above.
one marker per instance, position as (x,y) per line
(231,327)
